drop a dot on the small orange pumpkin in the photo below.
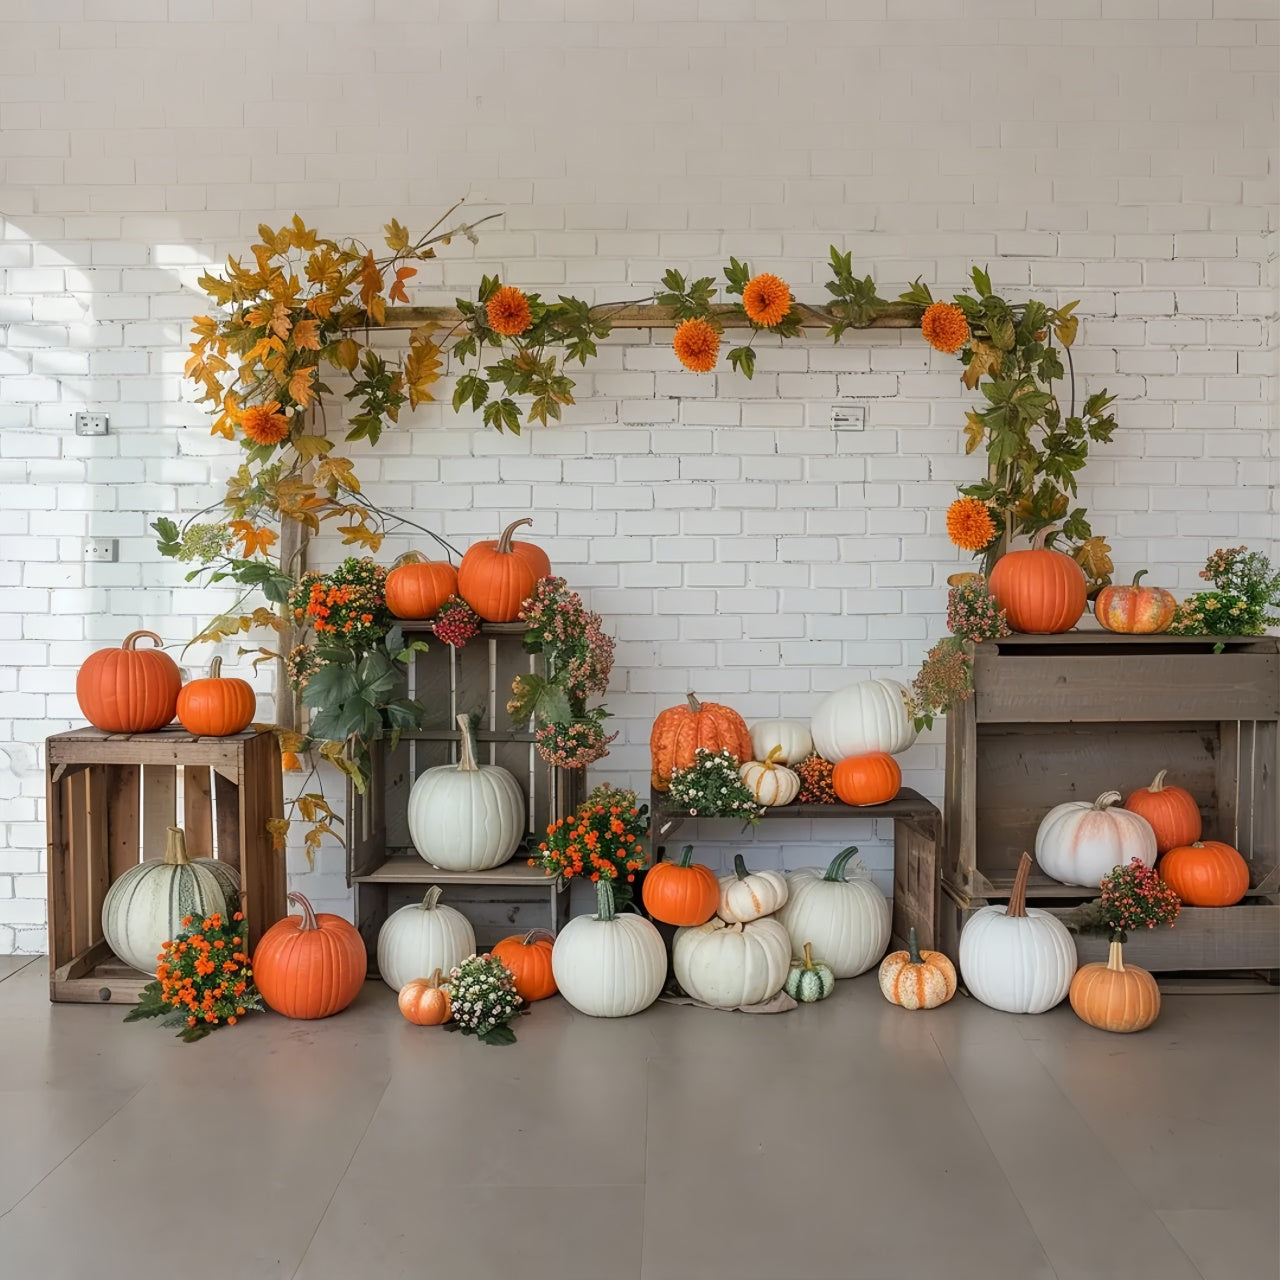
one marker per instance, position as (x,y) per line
(216,707)
(874,778)
(917,979)
(1042,591)
(528,960)
(679,731)
(424,1002)
(681,893)
(310,966)
(129,690)
(1115,996)
(495,578)
(1172,812)
(1135,610)
(1207,873)
(416,587)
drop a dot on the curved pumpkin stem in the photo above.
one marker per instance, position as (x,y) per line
(1107,799)
(1115,957)
(431,898)
(410,557)
(685,855)
(694,705)
(468,762)
(838,864)
(1018,898)
(215,668)
(808,955)
(175,847)
(740,866)
(508,534)
(308,912)
(771,760)
(131,640)
(434,980)
(1157,784)
(1037,543)
(604,900)
(528,939)
(913,947)
(1137,577)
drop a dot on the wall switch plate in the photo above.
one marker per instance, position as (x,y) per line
(848,416)
(91,424)
(102,550)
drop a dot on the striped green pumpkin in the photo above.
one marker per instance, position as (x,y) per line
(145,907)
(227,876)
(809,981)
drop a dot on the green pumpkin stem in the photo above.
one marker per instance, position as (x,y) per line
(838,864)
(685,855)
(175,848)
(913,947)
(604,900)
(740,866)
(431,898)
(1137,577)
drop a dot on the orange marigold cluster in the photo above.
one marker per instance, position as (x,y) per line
(944,327)
(509,312)
(603,839)
(766,300)
(204,973)
(697,345)
(969,524)
(264,423)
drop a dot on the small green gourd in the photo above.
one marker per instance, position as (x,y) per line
(808,981)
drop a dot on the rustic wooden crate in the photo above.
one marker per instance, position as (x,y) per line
(111,797)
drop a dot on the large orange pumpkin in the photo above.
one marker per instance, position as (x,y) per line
(310,966)
(495,578)
(1135,610)
(679,731)
(1206,874)
(873,778)
(129,690)
(424,1002)
(1042,591)
(528,960)
(1172,812)
(682,893)
(216,708)
(416,587)
(1115,996)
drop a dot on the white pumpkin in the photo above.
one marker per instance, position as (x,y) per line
(847,921)
(227,876)
(792,737)
(1079,842)
(145,906)
(1016,958)
(607,965)
(865,717)
(466,817)
(768,781)
(422,937)
(732,964)
(748,895)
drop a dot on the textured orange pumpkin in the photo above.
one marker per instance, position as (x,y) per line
(870,779)
(495,578)
(310,966)
(129,690)
(1115,996)
(528,960)
(1042,591)
(1172,812)
(683,893)
(425,1002)
(679,731)
(1135,610)
(416,587)
(1206,874)
(917,979)
(215,708)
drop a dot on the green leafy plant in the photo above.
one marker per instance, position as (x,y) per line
(1245,602)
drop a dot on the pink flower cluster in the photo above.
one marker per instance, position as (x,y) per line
(1134,897)
(457,622)
(574,745)
(973,614)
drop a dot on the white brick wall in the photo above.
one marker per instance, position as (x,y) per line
(735,544)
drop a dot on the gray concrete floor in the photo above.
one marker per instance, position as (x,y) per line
(847,1140)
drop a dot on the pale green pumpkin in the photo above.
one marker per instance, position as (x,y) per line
(809,981)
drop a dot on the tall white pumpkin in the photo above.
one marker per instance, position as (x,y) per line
(1079,842)
(847,920)
(1015,958)
(865,717)
(422,937)
(792,737)
(466,817)
(607,965)
(145,906)
(732,964)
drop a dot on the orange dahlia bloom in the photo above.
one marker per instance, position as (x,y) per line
(766,300)
(944,327)
(969,524)
(508,311)
(697,345)
(264,423)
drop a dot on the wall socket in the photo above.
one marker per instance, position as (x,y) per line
(102,550)
(848,416)
(91,424)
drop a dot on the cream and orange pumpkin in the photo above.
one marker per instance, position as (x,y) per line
(1135,609)
(425,1001)
(917,979)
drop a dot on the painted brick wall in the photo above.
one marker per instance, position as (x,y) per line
(735,544)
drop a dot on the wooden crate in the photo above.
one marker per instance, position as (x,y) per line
(111,797)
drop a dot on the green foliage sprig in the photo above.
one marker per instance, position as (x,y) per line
(1245,602)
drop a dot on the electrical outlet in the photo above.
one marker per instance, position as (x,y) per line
(91,424)
(848,416)
(102,550)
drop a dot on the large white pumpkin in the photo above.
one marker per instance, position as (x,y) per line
(732,964)
(607,965)
(769,781)
(847,921)
(1079,842)
(748,895)
(422,937)
(466,817)
(791,736)
(1015,958)
(145,906)
(865,717)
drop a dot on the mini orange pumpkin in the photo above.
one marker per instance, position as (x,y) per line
(679,731)
(528,959)
(495,578)
(681,893)
(1172,812)
(129,690)
(416,587)
(216,707)
(917,979)
(424,1002)
(1135,610)
(874,778)
(1042,591)
(1207,873)
(1115,996)
(310,966)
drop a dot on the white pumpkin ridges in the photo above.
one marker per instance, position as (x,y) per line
(419,938)
(145,908)
(865,717)
(1080,842)
(732,965)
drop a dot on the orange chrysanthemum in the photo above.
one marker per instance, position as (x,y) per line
(264,423)
(508,311)
(289,762)
(969,524)
(697,345)
(766,300)
(944,327)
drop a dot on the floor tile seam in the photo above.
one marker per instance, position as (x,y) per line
(22,968)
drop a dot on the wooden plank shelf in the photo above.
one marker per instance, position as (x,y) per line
(408,868)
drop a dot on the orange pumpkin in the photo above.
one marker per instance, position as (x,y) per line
(416,587)
(495,578)
(682,893)
(1207,873)
(870,779)
(1172,812)
(129,690)
(528,959)
(425,1002)
(917,979)
(216,708)
(1115,996)
(1042,591)
(1135,610)
(679,731)
(310,966)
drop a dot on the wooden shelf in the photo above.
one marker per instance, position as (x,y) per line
(411,869)
(906,804)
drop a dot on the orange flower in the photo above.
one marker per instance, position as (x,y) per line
(264,423)
(766,300)
(696,344)
(508,311)
(969,524)
(289,762)
(944,327)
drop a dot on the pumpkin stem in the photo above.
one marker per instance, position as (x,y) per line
(410,557)
(528,938)
(468,762)
(1107,799)
(308,912)
(836,870)
(1137,577)
(913,947)
(431,898)
(215,668)
(685,854)
(1115,957)
(808,955)
(504,542)
(434,980)
(175,848)
(131,640)
(740,866)
(1157,784)
(1018,898)
(772,758)
(694,705)
(604,900)
(1037,543)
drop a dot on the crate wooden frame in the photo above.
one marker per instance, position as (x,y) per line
(110,798)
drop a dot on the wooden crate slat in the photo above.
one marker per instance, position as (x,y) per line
(82,928)
(916,880)
(159,807)
(398,776)
(197,810)
(124,816)
(262,870)
(226,805)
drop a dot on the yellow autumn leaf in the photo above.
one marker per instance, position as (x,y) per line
(378,309)
(223,627)
(306,335)
(348,354)
(300,391)
(253,538)
(335,473)
(397,236)
(270,620)
(278,829)
(289,740)
(397,293)
(1094,557)
(280,321)
(986,359)
(205,327)
(309,447)
(303,237)
(974,430)
(1065,324)
(362,534)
